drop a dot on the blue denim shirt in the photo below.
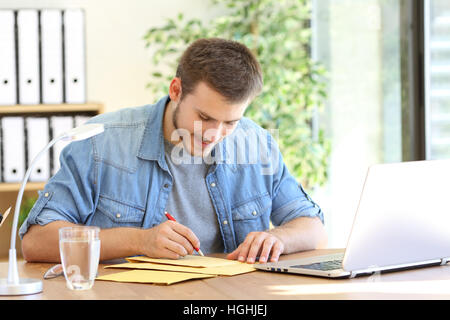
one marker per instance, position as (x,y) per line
(120,178)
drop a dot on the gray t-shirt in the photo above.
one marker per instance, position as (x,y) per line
(189,201)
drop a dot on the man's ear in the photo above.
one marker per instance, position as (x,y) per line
(175,89)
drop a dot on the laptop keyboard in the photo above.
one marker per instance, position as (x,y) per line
(323,266)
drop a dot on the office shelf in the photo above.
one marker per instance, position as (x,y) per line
(8,190)
(49,110)
(52,108)
(14,187)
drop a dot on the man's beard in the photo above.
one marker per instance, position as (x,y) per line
(193,143)
(186,144)
(175,116)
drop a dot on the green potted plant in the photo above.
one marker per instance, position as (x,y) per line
(278,32)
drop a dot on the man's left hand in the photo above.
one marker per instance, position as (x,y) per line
(262,243)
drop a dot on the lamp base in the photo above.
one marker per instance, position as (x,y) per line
(25,286)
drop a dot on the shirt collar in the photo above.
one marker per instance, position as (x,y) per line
(152,143)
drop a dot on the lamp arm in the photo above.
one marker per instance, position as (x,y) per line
(22,189)
(13,276)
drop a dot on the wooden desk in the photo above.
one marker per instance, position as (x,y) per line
(425,283)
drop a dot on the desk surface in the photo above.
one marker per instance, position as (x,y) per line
(424,283)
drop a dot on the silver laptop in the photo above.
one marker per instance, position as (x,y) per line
(402,221)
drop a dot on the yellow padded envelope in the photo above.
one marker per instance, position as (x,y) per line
(152,276)
(227,270)
(188,261)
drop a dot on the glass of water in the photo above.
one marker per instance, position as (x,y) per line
(79,248)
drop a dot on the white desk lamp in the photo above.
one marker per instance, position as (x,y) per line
(13,285)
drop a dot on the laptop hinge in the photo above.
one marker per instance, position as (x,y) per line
(444,261)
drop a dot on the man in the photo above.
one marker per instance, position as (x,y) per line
(126,178)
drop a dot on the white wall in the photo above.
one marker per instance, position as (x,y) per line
(118,64)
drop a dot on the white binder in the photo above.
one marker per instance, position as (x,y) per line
(28,53)
(13,142)
(8,90)
(37,139)
(59,124)
(74,53)
(51,56)
(80,120)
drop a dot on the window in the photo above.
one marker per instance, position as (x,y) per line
(437,78)
(359,44)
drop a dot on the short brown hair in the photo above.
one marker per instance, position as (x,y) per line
(227,66)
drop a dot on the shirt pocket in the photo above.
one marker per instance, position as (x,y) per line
(251,215)
(111,213)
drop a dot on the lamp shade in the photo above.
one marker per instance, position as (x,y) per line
(83,132)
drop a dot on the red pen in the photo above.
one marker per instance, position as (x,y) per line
(169,216)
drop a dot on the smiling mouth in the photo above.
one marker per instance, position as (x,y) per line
(204,143)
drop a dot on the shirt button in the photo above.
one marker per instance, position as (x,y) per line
(46,195)
(213,184)
(166,185)
(225,222)
(254,213)
(118,215)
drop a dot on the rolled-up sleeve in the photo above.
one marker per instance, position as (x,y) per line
(289,199)
(69,195)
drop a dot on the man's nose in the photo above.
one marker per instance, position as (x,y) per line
(214,132)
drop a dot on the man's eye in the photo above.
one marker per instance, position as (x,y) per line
(204,118)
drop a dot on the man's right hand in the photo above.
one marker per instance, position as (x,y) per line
(169,239)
